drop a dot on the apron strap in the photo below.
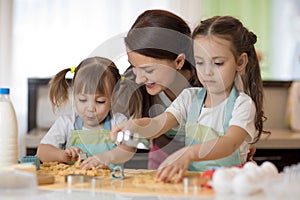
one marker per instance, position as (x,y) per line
(197,104)
(78,124)
(107,125)
(229,107)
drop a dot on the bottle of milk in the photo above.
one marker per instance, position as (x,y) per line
(8,130)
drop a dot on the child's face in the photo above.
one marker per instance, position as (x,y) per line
(92,109)
(156,74)
(215,63)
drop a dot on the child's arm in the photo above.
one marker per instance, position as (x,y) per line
(147,127)
(49,153)
(118,155)
(178,162)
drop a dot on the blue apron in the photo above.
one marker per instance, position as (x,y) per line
(91,142)
(196,133)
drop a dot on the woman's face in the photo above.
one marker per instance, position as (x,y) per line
(156,74)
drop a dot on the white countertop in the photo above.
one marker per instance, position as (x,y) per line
(79,195)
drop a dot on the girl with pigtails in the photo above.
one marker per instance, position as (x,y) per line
(95,88)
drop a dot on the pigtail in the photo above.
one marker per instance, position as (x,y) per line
(59,86)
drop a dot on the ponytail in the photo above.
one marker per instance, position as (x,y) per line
(59,86)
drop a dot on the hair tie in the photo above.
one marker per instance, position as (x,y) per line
(72,69)
(122,78)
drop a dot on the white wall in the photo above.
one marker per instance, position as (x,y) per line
(286,39)
(45,36)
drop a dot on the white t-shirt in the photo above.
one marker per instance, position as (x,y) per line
(243,115)
(60,131)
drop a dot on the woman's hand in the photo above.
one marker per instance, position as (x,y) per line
(71,154)
(114,131)
(128,125)
(148,128)
(176,163)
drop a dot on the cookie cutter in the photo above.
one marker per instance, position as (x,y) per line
(77,178)
(75,181)
(82,156)
(131,139)
(117,169)
(35,160)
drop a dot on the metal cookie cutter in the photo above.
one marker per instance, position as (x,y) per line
(82,156)
(132,140)
(77,178)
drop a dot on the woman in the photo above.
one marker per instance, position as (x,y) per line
(160,51)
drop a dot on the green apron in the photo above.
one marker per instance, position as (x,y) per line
(196,133)
(91,142)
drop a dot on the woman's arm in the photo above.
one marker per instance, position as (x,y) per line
(146,127)
(178,162)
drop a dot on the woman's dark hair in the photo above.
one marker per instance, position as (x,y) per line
(162,35)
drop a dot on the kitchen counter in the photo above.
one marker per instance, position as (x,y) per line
(136,183)
(140,184)
(282,148)
(279,139)
(104,195)
(128,189)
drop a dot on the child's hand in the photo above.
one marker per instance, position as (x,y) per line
(71,153)
(176,163)
(99,161)
(118,155)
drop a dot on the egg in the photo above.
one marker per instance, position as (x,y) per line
(250,166)
(255,175)
(269,168)
(262,173)
(243,184)
(234,170)
(221,181)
